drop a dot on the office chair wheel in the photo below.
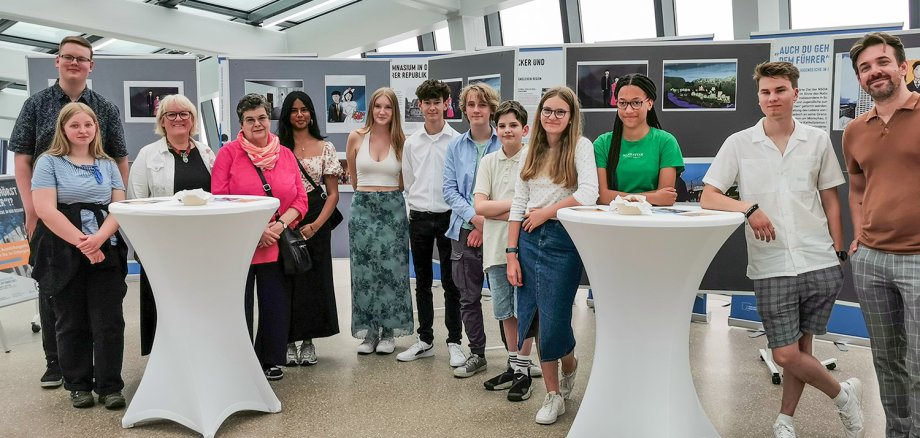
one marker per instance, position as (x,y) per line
(36,328)
(776,379)
(831,366)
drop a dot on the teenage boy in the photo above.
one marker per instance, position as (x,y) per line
(787,176)
(32,136)
(883,161)
(429,217)
(478,102)
(492,199)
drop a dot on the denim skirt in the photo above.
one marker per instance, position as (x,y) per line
(551,269)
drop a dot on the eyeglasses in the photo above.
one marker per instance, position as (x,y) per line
(78,59)
(635,104)
(548,112)
(249,121)
(181,115)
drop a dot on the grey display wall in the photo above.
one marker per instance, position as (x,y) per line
(484,66)
(312,74)
(112,76)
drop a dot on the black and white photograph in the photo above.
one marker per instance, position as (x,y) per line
(597,81)
(452,113)
(699,85)
(142,98)
(274,91)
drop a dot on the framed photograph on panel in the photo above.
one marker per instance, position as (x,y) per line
(452,113)
(273,90)
(699,85)
(493,80)
(142,98)
(596,81)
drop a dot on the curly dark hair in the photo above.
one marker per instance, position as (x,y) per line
(432,89)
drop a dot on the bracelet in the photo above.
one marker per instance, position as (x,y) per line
(283,225)
(750,211)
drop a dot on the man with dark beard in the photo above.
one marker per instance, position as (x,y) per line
(882,151)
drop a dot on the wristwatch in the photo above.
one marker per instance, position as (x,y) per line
(750,211)
(842,255)
(283,225)
(511,250)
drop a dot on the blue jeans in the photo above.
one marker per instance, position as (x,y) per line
(502,292)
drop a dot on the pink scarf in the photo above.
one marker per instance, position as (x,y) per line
(265,157)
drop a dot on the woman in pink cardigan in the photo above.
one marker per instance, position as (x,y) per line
(234,173)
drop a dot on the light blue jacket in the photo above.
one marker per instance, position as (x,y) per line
(460,177)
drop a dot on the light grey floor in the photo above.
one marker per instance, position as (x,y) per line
(374,396)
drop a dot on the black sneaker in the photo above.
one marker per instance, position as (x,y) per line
(520,388)
(82,399)
(273,373)
(500,382)
(113,401)
(52,378)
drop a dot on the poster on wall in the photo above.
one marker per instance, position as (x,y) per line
(694,171)
(850,100)
(699,85)
(813,57)
(142,98)
(538,70)
(405,77)
(346,103)
(274,90)
(452,113)
(494,81)
(597,80)
(16,283)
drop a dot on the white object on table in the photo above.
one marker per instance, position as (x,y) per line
(645,272)
(202,367)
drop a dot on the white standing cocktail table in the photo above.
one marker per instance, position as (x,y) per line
(202,367)
(645,272)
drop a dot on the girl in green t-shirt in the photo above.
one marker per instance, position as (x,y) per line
(637,156)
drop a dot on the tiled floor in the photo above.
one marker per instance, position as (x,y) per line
(375,396)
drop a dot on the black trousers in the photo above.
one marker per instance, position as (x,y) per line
(274,290)
(425,230)
(91,329)
(49,335)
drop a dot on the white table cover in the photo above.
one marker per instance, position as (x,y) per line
(645,272)
(202,367)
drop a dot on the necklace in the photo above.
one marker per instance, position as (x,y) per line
(183,153)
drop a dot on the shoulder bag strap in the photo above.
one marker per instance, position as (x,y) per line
(265,185)
(312,183)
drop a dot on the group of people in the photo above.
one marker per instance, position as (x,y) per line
(488,203)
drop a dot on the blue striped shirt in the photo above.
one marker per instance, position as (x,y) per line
(77,183)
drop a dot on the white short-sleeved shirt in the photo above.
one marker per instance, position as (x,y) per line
(495,179)
(786,188)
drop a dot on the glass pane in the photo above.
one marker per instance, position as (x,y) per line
(715,18)
(442,39)
(242,5)
(534,22)
(119,47)
(601,21)
(7,45)
(406,45)
(807,14)
(37,32)
(201,13)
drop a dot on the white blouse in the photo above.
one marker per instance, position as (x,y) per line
(541,191)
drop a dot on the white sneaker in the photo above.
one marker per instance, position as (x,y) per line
(386,346)
(293,356)
(783,430)
(535,370)
(567,381)
(418,350)
(457,356)
(553,407)
(851,413)
(368,345)
(308,354)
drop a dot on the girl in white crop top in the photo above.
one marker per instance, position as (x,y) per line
(367,169)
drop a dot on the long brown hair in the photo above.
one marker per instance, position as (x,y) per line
(560,161)
(60,145)
(397,136)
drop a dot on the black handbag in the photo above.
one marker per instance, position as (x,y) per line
(317,203)
(292,247)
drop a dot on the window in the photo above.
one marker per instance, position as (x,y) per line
(442,39)
(701,18)
(37,32)
(534,22)
(604,20)
(807,14)
(407,45)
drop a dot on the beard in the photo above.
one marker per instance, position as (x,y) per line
(881,94)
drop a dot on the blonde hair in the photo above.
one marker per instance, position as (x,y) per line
(486,93)
(60,145)
(560,161)
(182,102)
(397,136)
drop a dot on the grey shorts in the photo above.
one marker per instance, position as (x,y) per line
(792,306)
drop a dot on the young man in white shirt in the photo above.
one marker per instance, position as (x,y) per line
(787,174)
(429,218)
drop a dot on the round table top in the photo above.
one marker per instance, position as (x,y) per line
(218,204)
(677,216)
